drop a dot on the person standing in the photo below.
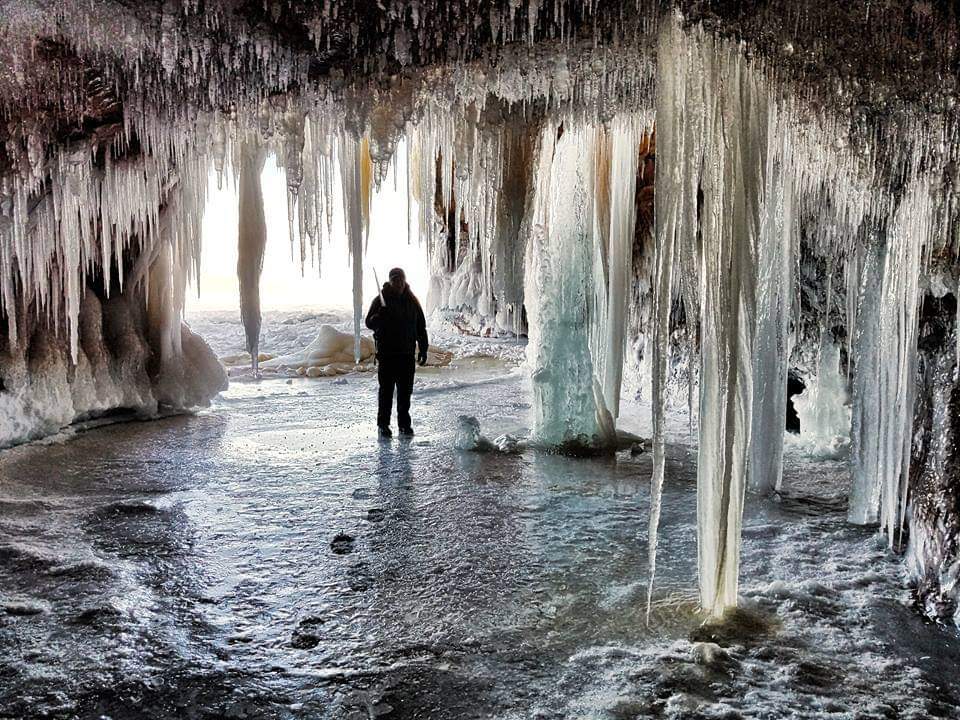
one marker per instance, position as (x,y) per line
(400,331)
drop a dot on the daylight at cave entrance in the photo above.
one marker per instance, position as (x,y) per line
(684,384)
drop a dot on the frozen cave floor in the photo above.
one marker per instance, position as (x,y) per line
(185,568)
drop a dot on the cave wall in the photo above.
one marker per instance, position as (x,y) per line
(118,367)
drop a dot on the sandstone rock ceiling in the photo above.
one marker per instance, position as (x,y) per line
(65,64)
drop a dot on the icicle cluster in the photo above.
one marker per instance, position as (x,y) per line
(85,213)
(739,164)
(471,163)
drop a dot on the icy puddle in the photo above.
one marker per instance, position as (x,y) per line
(269,559)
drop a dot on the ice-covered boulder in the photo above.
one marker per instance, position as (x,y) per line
(470,438)
(330,353)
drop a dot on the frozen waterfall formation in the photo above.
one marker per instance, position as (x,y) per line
(804,215)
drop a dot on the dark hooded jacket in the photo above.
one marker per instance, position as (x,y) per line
(400,326)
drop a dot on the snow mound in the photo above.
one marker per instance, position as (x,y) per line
(331,353)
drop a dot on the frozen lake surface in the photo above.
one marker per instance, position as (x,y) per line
(185,568)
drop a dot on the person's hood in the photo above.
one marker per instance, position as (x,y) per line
(388,290)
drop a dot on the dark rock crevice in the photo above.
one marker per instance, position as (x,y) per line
(933,551)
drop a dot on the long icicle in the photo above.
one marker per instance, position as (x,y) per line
(356,174)
(251,242)
(669,192)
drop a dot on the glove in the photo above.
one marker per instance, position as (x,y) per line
(422,357)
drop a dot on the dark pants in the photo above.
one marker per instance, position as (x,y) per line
(395,370)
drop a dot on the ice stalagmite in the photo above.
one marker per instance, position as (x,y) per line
(822,407)
(251,242)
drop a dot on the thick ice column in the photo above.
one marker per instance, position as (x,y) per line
(577,277)
(716,137)
(568,404)
(250,246)
(732,188)
(884,382)
(668,221)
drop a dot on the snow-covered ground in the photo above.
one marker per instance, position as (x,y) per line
(187,568)
(289,332)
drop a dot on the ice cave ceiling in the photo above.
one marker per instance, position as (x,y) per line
(807,163)
(66,63)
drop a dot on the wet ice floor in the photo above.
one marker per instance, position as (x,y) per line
(184,568)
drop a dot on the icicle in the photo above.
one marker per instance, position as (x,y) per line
(884,382)
(251,242)
(668,199)
(356,172)
(851,281)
